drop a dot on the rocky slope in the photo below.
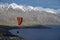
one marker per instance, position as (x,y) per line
(31,15)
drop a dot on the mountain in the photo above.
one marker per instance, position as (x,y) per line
(31,15)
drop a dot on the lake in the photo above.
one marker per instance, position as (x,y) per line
(50,32)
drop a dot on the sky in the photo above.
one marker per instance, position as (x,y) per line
(55,4)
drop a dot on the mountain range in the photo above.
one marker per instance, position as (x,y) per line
(31,15)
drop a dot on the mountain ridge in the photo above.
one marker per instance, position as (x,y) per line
(26,8)
(31,15)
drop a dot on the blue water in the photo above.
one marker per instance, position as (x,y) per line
(52,33)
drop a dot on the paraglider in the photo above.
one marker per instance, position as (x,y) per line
(19,20)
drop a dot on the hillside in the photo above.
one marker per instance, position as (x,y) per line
(31,15)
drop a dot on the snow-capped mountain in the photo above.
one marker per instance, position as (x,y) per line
(31,15)
(26,8)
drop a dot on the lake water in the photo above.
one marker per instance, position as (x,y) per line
(39,33)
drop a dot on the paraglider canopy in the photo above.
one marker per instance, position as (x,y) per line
(19,20)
